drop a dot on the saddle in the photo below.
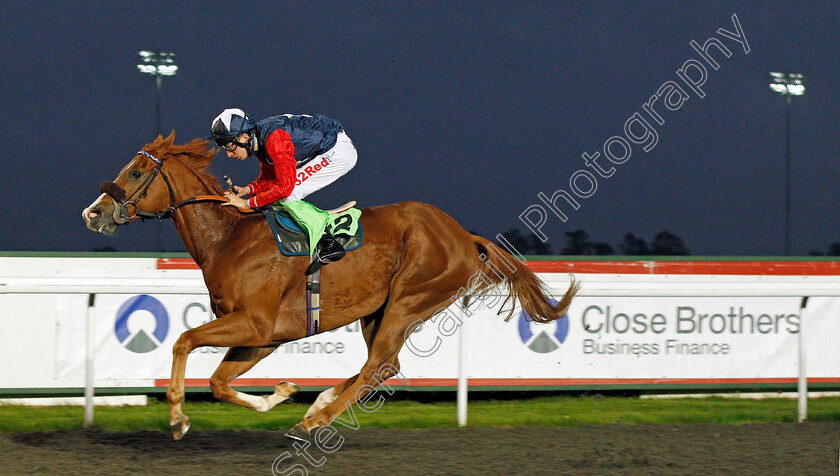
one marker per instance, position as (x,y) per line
(292,240)
(342,223)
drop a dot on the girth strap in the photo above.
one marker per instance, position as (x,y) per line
(313,303)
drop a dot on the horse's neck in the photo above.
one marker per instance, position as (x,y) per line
(203,227)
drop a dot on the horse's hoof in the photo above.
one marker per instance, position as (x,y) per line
(180,427)
(298,433)
(286,389)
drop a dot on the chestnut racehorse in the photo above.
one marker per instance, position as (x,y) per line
(414,261)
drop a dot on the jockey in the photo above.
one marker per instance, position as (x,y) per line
(298,155)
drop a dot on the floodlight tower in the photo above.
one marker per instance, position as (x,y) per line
(788,85)
(158,64)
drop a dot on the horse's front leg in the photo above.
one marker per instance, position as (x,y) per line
(232,330)
(237,361)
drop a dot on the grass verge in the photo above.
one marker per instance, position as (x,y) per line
(544,411)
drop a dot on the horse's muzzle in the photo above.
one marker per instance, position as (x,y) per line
(103,215)
(120,214)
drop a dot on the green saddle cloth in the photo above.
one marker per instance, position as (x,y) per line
(299,225)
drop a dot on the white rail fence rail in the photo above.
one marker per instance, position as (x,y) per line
(92,286)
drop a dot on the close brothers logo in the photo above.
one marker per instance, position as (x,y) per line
(140,338)
(543,343)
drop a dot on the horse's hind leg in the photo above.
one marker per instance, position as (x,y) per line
(382,360)
(382,364)
(370,324)
(237,361)
(327,396)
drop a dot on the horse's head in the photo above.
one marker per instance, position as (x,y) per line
(141,189)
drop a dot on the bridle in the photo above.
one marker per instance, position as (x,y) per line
(118,195)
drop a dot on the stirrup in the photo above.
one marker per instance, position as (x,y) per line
(314,266)
(318,261)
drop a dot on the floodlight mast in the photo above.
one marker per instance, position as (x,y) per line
(788,85)
(158,64)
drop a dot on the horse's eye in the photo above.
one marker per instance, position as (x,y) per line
(136,174)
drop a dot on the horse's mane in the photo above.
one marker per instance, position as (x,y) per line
(197,157)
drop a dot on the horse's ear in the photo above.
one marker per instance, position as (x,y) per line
(167,143)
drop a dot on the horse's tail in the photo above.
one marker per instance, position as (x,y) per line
(500,268)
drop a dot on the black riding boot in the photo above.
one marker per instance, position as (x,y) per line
(328,250)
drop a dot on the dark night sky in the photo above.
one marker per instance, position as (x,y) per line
(475,107)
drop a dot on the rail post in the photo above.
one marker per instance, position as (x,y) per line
(802,384)
(89,355)
(462,366)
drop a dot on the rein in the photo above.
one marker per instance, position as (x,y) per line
(117,194)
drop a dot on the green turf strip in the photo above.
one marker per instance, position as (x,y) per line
(545,411)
